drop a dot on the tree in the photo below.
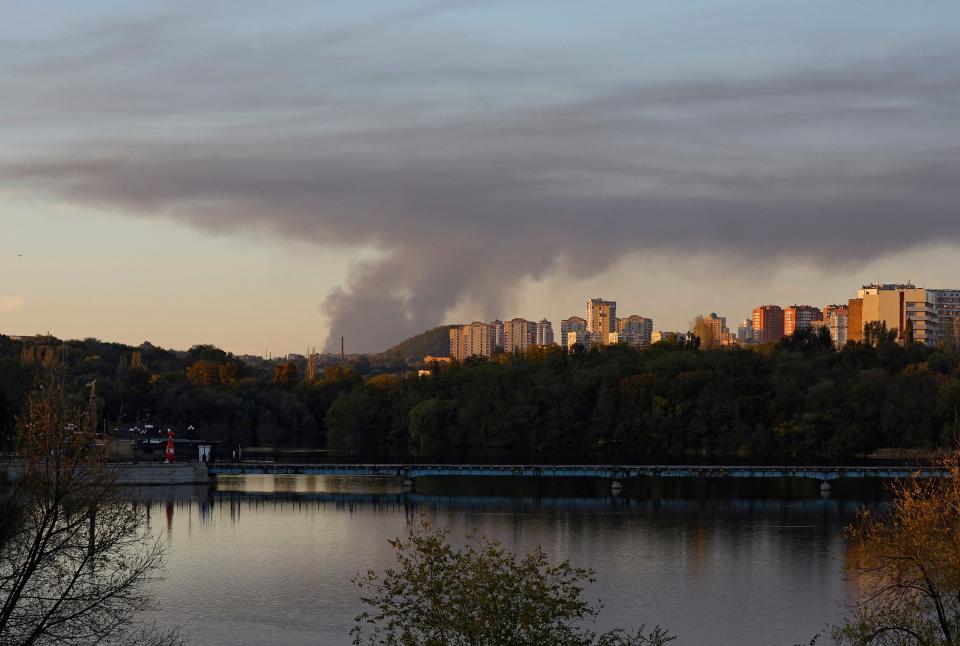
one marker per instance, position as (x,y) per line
(285,375)
(204,372)
(908,332)
(876,334)
(76,560)
(701,328)
(479,594)
(906,560)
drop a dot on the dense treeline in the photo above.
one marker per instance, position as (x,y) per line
(223,398)
(796,398)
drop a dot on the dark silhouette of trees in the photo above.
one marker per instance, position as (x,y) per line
(76,559)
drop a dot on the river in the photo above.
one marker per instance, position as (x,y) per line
(268,560)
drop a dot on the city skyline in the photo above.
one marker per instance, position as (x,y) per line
(271,178)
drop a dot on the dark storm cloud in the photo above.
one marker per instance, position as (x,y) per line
(462,198)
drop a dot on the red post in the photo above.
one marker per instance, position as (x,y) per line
(168,454)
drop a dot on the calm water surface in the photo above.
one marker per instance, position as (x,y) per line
(268,560)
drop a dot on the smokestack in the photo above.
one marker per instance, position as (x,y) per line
(341,350)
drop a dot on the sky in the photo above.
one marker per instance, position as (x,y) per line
(270,176)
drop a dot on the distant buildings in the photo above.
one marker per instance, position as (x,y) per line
(635,331)
(474,340)
(498,334)
(518,335)
(487,339)
(572,324)
(894,305)
(544,333)
(948,314)
(933,315)
(745,332)
(799,317)
(768,323)
(601,320)
(663,335)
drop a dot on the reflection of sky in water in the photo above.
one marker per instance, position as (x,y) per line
(268,560)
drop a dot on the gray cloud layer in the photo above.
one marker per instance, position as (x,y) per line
(467,173)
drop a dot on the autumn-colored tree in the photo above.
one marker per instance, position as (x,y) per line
(76,559)
(703,330)
(480,594)
(906,561)
(230,373)
(285,375)
(204,373)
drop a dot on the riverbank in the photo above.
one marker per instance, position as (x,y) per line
(143,473)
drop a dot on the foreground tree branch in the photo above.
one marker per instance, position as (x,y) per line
(76,560)
(906,561)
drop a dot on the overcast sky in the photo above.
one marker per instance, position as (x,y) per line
(269,176)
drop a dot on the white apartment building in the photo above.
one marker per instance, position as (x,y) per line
(572,324)
(474,340)
(544,332)
(635,330)
(518,335)
(601,318)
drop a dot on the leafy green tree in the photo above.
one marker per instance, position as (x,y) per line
(430,424)
(480,595)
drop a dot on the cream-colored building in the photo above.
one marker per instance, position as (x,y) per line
(572,324)
(474,340)
(601,318)
(895,304)
(544,333)
(498,334)
(518,335)
(635,330)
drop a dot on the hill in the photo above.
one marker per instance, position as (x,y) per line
(435,341)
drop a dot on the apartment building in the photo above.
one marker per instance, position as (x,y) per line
(572,324)
(948,314)
(519,334)
(544,332)
(799,317)
(601,318)
(474,340)
(894,304)
(768,323)
(635,330)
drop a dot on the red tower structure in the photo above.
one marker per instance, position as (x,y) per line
(168,454)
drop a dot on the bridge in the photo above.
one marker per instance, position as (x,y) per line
(616,474)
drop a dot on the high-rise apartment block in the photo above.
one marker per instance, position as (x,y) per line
(894,305)
(948,314)
(745,331)
(474,340)
(601,318)
(799,317)
(544,333)
(572,324)
(498,334)
(635,330)
(768,323)
(518,335)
